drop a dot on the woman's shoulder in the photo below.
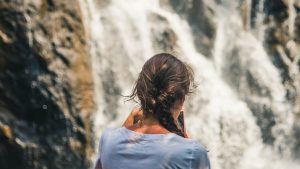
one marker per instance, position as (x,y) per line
(108,129)
(186,146)
(106,132)
(199,147)
(191,154)
(200,159)
(194,145)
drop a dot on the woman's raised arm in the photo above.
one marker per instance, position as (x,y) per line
(135,115)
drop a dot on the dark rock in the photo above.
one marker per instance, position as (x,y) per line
(200,16)
(297,28)
(283,48)
(254,12)
(163,37)
(45,86)
(296,133)
(276,8)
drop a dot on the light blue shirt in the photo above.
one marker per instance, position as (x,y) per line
(121,148)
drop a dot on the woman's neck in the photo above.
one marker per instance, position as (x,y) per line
(149,120)
(149,125)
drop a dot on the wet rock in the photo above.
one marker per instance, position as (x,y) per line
(254,12)
(297,28)
(163,37)
(282,43)
(276,8)
(45,86)
(200,15)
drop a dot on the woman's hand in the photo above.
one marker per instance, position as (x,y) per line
(135,115)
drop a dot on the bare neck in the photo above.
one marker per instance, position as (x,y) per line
(150,120)
(149,125)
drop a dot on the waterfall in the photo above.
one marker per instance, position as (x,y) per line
(239,111)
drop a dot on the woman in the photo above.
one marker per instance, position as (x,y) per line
(152,136)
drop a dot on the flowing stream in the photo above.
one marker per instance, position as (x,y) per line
(238,111)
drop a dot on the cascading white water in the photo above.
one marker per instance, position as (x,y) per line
(220,113)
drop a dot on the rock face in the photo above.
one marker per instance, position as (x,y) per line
(46,86)
(200,15)
(283,44)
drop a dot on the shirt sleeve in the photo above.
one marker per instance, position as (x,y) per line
(200,158)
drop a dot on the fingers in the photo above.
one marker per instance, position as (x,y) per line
(132,118)
(137,111)
(136,114)
(140,112)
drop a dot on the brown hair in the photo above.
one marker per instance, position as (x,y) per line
(164,79)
